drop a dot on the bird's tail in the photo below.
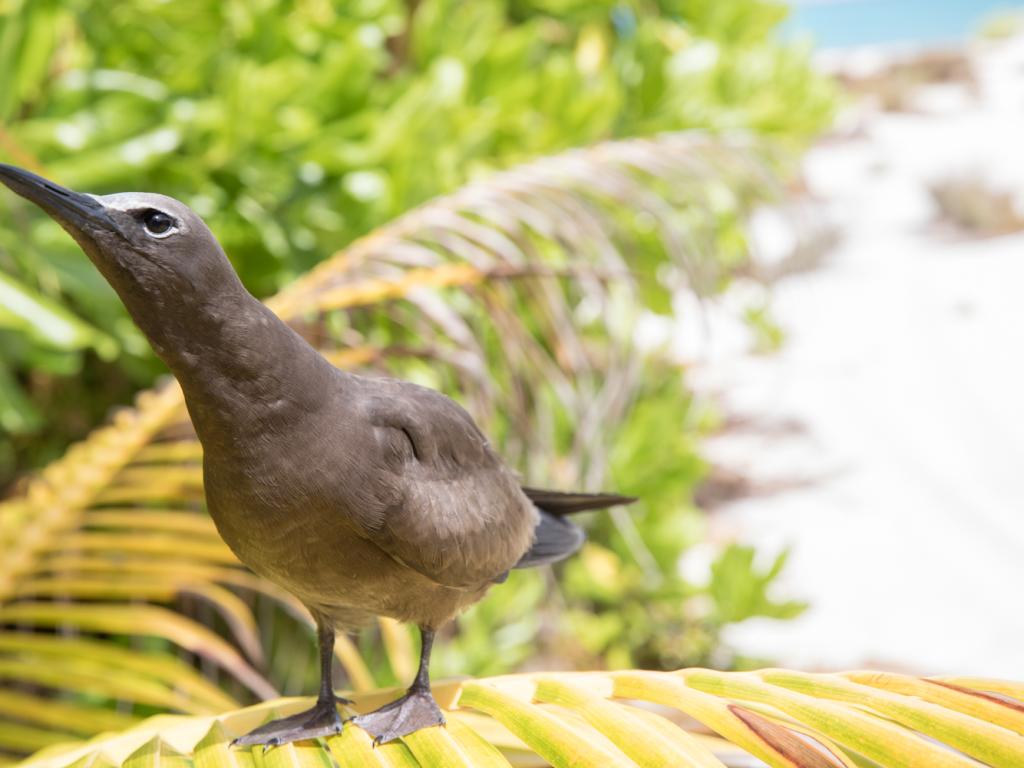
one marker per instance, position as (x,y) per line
(559,503)
(555,538)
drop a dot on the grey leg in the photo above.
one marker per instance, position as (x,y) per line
(321,720)
(413,711)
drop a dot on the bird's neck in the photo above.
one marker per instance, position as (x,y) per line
(244,372)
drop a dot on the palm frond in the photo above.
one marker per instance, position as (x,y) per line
(629,718)
(519,292)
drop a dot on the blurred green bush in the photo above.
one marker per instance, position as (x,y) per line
(295,127)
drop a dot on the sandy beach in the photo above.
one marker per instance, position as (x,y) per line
(884,442)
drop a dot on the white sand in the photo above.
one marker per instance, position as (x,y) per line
(904,368)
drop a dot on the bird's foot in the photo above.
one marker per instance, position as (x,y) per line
(415,710)
(321,720)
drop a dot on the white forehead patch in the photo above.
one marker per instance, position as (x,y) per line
(133,201)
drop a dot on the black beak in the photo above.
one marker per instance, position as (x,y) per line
(76,212)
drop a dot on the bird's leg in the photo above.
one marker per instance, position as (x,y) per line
(416,709)
(321,720)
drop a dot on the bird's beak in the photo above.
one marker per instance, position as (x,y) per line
(77,213)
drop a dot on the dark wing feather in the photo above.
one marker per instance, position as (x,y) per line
(554,539)
(453,511)
(560,503)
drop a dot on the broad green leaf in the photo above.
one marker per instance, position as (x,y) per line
(17,414)
(46,321)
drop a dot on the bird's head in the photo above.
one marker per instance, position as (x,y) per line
(149,247)
(157,254)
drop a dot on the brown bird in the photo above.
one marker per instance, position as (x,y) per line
(361,496)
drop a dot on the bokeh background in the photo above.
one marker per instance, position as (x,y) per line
(798,342)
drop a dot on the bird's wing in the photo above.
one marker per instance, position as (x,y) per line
(450,508)
(555,539)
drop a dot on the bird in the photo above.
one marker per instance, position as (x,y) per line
(363,496)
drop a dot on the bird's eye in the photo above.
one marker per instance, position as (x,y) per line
(157,222)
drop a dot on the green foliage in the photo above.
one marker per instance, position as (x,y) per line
(523,312)
(768,335)
(623,602)
(294,128)
(630,604)
(740,590)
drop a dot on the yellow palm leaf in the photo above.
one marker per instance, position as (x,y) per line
(600,720)
(519,292)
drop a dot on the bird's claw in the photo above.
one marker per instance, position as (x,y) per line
(415,710)
(320,721)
